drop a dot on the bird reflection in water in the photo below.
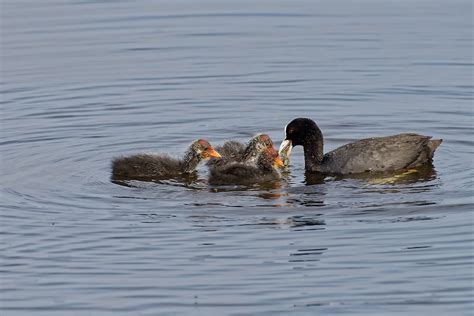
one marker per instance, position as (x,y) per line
(422,173)
(207,222)
(297,222)
(307,254)
(183,180)
(311,178)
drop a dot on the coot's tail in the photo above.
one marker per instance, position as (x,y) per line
(432,145)
(427,149)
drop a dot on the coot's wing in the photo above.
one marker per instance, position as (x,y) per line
(378,154)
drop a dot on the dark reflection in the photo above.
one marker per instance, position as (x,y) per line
(307,255)
(185,180)
(394,220)
(296,223)
(418,247)
(299,221)
(422,173)
(312,178)
(154,218)
(309,196)
(307,201)
(271,185)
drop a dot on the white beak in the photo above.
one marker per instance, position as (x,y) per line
(285,151)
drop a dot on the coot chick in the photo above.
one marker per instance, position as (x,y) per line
(266,170)
(377,154)
(146,166)
(257,145)
(233,151)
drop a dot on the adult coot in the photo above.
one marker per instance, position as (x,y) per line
(377,154)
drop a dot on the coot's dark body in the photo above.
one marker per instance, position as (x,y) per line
(379,154)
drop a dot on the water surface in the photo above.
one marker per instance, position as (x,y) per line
(85,81)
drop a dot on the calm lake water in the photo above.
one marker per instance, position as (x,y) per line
(85,81)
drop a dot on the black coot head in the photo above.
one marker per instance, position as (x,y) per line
(301,130)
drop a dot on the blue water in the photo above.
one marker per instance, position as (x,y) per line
(86,81)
